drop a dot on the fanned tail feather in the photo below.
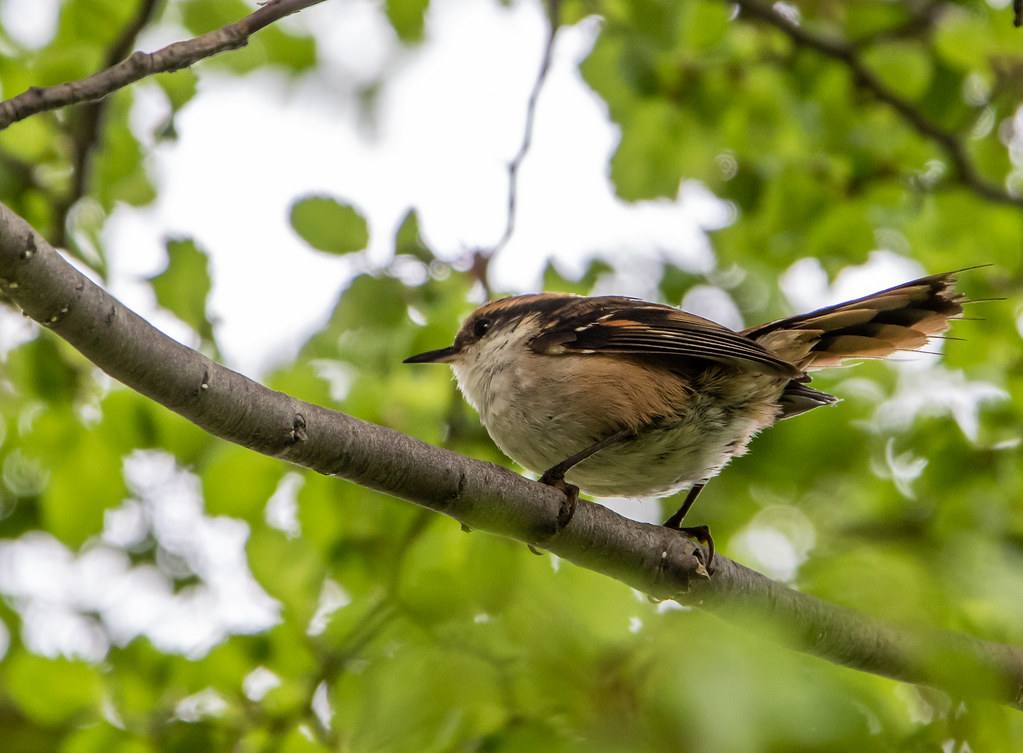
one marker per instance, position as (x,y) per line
(876,326)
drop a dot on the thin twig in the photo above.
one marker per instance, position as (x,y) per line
(866,79)
(142,64)
(553,14)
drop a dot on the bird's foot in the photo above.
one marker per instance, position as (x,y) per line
(702,535)
(555,477)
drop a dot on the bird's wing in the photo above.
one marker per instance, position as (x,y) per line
(611,324)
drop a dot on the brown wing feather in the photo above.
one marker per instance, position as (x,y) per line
(612,324)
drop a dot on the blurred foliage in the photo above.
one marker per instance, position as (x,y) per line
(397,630)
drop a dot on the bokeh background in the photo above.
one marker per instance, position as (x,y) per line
(315,207)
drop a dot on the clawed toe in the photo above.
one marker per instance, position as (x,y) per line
(557,480)
(702,535)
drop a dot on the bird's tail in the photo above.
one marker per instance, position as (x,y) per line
(902,318)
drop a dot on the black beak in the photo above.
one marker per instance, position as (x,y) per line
(444,355)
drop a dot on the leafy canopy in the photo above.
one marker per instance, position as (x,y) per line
(858,127)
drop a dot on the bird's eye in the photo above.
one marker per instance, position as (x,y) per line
(481,327)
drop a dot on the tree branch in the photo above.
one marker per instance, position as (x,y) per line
(481,495)
(141,64)
(866,79)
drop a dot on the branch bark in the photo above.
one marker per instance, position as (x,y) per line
(139,65)
(481,495)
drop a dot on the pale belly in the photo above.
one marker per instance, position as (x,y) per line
(538,424)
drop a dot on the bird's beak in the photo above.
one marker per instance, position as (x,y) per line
(444,355)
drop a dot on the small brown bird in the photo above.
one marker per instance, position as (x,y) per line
(619,397)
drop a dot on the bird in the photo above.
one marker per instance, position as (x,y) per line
(616,396)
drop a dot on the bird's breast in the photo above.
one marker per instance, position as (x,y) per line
(541,409)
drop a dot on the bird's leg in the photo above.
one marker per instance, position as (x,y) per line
(555,475)
(700,533)
(675,521)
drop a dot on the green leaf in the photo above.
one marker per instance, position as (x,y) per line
(966,42)
(553,280)
(271,45)
(384,296)
(200,17)
(409,241)
(649,163)
(184,287)
(408,17)
(74,473)
(288,51)
(40,369)
(239,482)
(328,225)
(704,24)
(51,691)
(297,740)
(103,738)
(179,86)
(131,422)
(289,569)
(119,171)
(905,67)
(83,485)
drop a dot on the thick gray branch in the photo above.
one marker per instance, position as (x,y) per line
(481,495)
(174,57)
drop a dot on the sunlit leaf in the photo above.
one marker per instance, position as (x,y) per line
(184,286)
(51,691)
(408,18)
(328,225)
(409,241)
(904,67)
